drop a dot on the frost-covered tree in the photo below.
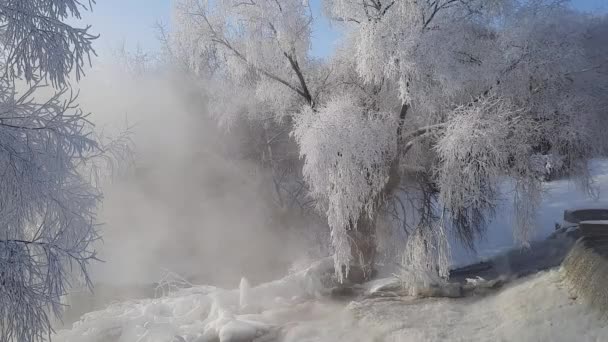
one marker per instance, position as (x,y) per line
(254,56)
(48,150)
(487,88)
(438,101)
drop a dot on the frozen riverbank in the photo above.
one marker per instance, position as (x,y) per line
(535,308)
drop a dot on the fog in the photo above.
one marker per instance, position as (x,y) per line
(190,205)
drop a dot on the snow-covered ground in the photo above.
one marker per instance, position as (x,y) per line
(536,308)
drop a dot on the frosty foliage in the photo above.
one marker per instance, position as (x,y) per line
(262,45)
(499,78)
(47,208)
(347,153)
(456,96)
(483,142)
(37,43)
(426,257)
(169,283)
(48,158)
(408,42)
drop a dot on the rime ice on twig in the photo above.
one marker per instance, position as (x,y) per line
(48,193)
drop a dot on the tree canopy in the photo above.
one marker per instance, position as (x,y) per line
(49,159)
(457,96)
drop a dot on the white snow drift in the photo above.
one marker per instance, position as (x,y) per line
(538,308)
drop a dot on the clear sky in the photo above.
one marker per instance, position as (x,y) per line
(132,22)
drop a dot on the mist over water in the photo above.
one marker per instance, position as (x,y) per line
(192,205)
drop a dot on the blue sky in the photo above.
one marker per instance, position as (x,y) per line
(132,21)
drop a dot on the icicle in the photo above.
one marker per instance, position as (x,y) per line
(243,293)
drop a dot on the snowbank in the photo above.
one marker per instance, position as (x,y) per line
(536,308)
(205,313)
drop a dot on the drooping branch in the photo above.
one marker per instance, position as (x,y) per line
(223,41)
(436,7)
(31,27)
(305,93)
(424,130)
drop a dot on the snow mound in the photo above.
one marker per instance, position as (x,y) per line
(535,308)
(206,313)
(383,285)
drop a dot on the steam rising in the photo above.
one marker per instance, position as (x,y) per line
(192,205)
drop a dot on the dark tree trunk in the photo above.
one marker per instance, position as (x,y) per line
(363,235)
(363,248)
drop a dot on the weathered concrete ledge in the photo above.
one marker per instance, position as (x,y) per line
(579,215)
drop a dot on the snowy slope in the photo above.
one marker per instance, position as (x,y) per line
(537,308)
